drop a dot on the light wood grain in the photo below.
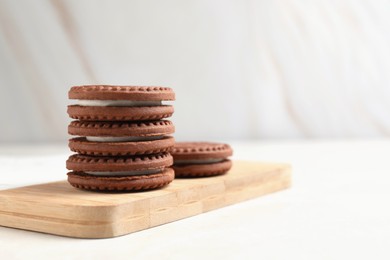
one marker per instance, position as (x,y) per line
(57,208)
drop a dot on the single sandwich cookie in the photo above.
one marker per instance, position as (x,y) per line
(120,173)
(201,159)
(114,166)
(120,103)
(121,183)
(121,138)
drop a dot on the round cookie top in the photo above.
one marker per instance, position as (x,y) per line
(109,92)
(139,129)
(84,163)
(200,151)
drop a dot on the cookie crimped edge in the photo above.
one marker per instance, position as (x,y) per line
(94,113)
(120,128)
(124,183)
(82,146)
(78,162)
(111,92)
(200,150)
(202,170)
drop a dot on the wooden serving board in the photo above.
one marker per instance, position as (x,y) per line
(58,208)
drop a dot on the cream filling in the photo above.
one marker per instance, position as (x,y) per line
(117,103)
(202,161)
(123,138)
(125,173)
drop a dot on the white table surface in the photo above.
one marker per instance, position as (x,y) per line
(337,208)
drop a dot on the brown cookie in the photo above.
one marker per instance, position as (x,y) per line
(200,150)
(121,129)
(109,92)
(122,183)
(119,113)
(202,170)
(200,159)
(82,146)
(120,103)
(121,138)
(112,165)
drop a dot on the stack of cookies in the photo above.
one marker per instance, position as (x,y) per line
(122,141)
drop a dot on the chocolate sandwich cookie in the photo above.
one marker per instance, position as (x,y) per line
(201,159)
(120,103)
(120,173)
(121,138)
(124,183)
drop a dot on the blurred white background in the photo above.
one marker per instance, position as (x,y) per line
(240,69)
